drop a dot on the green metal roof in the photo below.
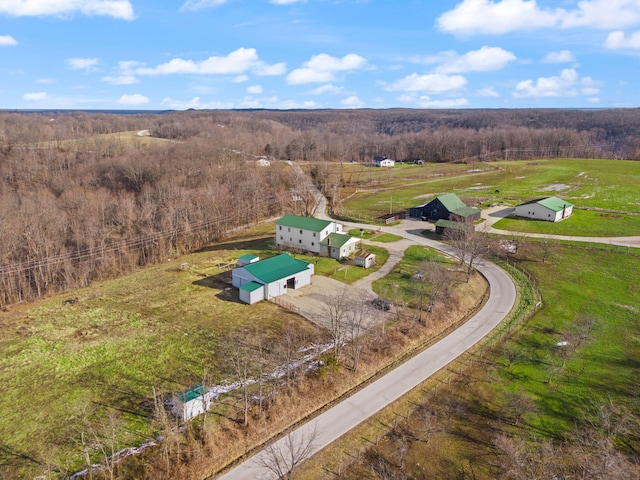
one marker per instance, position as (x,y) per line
(554,203)
(192,393)
(251,286)
(337,239)
(304,223)
(451,201)
(275,268)
(442,223)
(247,256)
(465,211)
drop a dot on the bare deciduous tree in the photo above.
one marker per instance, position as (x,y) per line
(469,244)
(282,457)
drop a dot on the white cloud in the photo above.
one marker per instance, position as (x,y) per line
(135,99)
(254,89)
(424,101)
(564,85)
(237,62)
(286,2)
(7,41)
(488,92)
(241,79)
(45,81)
(563,56)
(486,59)
(352,102)
(35,96)
(618,40)
(86,64)
(184,104)
(322,68)
(195,5)
(328,88)
(490,17)
(28,8)
(121,80)
(430,83)
(493,17)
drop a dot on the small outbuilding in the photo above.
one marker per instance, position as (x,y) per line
(247,259)
(365,259)
(192,402)
(550,209)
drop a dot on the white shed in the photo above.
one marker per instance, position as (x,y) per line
(251,292)
(192,402)
(365,259)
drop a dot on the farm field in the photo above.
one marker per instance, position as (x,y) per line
(609,187)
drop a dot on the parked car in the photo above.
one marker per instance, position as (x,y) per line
(382,304)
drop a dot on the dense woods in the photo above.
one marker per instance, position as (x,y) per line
(80,202)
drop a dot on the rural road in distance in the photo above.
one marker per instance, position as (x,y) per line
(335,422)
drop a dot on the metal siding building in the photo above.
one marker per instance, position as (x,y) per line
(550,209)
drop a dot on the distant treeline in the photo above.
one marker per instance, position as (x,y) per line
(78,204)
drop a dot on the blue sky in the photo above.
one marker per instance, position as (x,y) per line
(179,54)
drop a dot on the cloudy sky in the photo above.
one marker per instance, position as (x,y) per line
(179,54)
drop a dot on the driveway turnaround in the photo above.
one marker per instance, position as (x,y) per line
(335,422)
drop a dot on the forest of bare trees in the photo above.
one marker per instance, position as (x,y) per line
(79,204)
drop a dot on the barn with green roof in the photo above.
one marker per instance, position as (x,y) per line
(271,277)
(550,209)
(446,207)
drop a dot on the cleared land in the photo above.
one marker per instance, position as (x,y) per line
(607,187)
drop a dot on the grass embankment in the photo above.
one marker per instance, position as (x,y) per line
(608,186)
(535,404)
(67,369)
(374,235)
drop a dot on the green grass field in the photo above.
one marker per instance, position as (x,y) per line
(610,185)
(583,223)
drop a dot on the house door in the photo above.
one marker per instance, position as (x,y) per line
(291,283)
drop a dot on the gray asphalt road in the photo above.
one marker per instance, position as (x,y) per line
(354,410)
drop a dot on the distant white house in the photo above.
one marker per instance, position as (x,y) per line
(305,233)
(383,162)
(551,209)
(271,277)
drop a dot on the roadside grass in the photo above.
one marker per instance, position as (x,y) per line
(582,223)
(591,300)
(611,185)
(529,387)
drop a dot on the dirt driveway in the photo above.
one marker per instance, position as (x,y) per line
(311,300)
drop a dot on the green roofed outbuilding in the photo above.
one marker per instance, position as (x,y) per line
(271,277)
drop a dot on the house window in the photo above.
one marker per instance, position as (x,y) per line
(290,239)
(313,243)
(299,241)
(280,227)
(314,234)
(288,229)
(280,237)
(300,232)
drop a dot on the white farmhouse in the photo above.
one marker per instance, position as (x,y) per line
(305,233)
(551,209)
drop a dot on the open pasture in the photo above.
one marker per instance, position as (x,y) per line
(609,186)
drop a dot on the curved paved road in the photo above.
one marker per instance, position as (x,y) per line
(349,413)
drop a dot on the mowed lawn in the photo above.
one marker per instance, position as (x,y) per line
(68,367)
(612,186)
